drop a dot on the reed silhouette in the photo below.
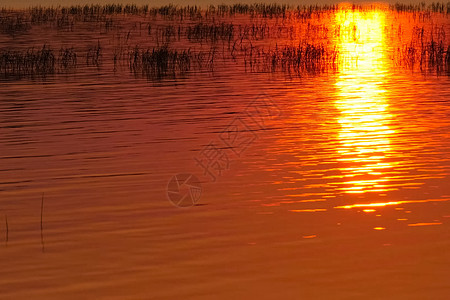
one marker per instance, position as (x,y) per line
(186,39)
(42,224)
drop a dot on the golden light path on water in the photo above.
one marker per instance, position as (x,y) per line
(365,137)
(367,157)
(363,101)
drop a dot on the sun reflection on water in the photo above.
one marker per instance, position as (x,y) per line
(362,100)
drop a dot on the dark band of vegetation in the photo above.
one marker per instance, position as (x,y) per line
(191,38)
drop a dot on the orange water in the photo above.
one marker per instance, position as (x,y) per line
(344,194)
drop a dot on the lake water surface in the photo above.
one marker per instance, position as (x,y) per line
(337,189)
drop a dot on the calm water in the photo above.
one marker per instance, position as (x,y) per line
(338,189)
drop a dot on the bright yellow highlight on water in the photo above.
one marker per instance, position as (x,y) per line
(362,101)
